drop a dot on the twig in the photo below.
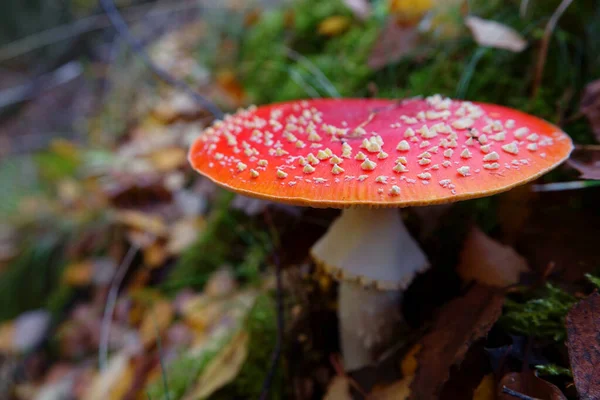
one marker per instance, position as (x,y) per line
(121,27)
(541,61)
(79,27)
(516,394)
(276,354)
(111,302)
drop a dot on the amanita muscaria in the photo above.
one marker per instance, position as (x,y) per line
(368,157)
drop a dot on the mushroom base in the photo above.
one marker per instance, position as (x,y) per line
(369,322)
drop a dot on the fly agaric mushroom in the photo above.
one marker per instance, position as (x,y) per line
(369,156)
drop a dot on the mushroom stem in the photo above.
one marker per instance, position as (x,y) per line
(369,321)
(376,258)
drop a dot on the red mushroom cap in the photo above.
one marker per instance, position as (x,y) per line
(369,152)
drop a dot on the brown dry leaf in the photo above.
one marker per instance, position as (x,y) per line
(399,390)
(222,369)
(453,332)
(168,159)
(489,33)
(487,261)
(590,106)
(530,385)
(486,390)
(334,25)
(338,389)
(587,162)
(156,321)
(583,342)
(394,42)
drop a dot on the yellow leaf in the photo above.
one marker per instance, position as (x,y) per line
(486,390)
(334,25)
(409,11)
(144,222)
(409,362)
(222,369)
(396,391)
(78,274)
(156,321)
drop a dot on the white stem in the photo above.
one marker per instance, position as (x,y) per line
(369,321)
(369,247)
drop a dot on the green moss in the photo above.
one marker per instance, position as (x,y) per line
(541,314)
(553,370)
(261,325)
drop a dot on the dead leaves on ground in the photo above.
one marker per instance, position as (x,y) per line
(583,342)
(590,106)
(459,324)
(526,383)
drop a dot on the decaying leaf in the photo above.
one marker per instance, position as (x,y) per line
(222,369)
(590,106)
(583,342)
(489,33)
(394,42)
(587,162)
(487,261)
(396,391)
(459,324)
(526,383)
(339,389)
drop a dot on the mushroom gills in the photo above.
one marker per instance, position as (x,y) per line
(375,257)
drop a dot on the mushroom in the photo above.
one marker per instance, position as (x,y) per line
(367,157)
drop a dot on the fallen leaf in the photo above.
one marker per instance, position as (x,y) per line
(394,42)
(7,332)
(156,321)
(221,283)
(360,8)
(338,389)
(453,332)
(30,329)
(587,162)
(489,33)
(145,222)
(487,261)
(155,255)
(399,390)
(222,369)
(583,342)
(182,234)
(528,384)
(112,382)
(168,159)
(590,106)
(486,389)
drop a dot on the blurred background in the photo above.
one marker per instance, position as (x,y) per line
(124,275)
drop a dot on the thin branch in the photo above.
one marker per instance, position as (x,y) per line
(276,354)
(541,61)
(516,394)
(121,27)
(111,302)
